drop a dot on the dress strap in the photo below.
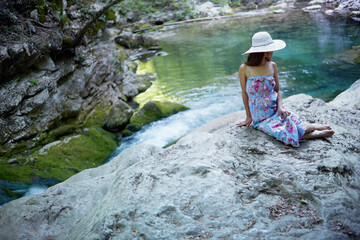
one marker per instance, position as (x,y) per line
(248,70)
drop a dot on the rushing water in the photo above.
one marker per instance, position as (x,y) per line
(201,61)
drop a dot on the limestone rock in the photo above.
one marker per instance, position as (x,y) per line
(349,99)
(218,182)
(312,8)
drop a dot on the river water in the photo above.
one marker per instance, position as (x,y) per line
(199,63)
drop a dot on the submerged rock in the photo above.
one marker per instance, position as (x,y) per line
(218,182)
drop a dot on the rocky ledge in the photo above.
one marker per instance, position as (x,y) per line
(218,182)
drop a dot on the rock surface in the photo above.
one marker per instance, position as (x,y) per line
(218,182)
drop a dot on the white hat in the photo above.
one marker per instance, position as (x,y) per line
(262,42)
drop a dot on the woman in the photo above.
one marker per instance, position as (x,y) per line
(262,96)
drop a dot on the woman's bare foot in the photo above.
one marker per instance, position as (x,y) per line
(313,127)
(318,134)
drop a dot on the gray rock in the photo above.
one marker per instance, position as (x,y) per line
(218,182)
(349,99)
(34,15)
(118,116)
(132,16)
(13,161)
(129,40)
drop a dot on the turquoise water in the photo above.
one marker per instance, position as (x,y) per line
(199,63)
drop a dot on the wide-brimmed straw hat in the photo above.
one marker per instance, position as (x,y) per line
(262,42)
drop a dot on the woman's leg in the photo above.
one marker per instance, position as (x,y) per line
(317,131)
(312,127)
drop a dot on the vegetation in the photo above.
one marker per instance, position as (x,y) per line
(63,160)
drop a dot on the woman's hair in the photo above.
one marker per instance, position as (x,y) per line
(255,59)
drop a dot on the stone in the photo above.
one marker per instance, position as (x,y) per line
(312,8)
(130,40)
(132,16)
(34,15)
(152,111)
(218,182)
(13,161)
(349,99)
(118,116)
(46,63)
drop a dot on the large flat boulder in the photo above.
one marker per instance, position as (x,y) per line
(218,182)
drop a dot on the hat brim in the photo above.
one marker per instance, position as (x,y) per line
(274,46)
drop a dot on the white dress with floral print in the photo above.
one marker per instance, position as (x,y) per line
(263,108)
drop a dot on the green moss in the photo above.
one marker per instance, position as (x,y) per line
(97,117)
(110,15)
(152,111)
(64,159)
(58,132)
(10,193)
(145,26)
(97,26)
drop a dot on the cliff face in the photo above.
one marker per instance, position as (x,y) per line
(218,182)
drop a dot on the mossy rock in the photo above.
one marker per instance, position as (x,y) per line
(62,159)
(351,55)
(110,15)
(98,116)
(153,111)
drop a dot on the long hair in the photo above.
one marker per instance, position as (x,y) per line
(255,59)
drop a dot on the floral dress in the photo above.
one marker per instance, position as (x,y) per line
(264,112)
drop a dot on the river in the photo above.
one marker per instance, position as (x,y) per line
(198,67)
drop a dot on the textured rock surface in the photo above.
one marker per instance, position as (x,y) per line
(219,182)
(76,91)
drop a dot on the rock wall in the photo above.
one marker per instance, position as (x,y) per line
(218,182)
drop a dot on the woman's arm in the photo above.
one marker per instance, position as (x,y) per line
(282,112)
(245,97)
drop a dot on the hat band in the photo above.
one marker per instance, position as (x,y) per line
(263,45)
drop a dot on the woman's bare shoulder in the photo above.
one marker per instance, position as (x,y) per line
(242,67)
(273,65)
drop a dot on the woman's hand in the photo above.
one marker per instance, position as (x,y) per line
(245,122)
(283,113)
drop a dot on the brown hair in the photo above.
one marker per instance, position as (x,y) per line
(255,59)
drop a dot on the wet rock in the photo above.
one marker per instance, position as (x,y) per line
(130,40)
(152,111)
(219,182)
(351,55)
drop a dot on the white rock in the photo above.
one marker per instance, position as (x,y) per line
(218,182)
(349,99)
(312,8)
(329,12)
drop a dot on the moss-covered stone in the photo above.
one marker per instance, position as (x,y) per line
(62,160)
(351,55)
(152,111)
(10,193)
(110,15)
(97,117)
